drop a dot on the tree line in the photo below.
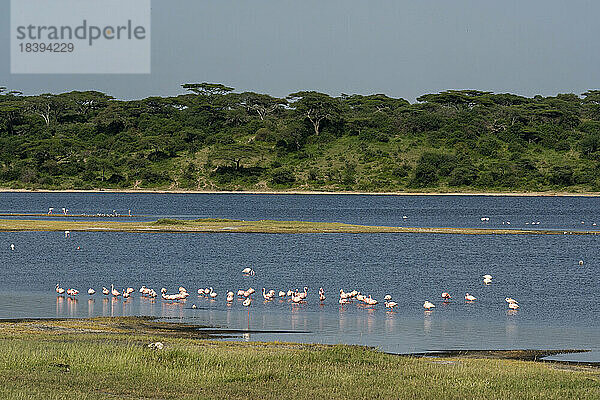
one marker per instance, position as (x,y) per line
(212,137)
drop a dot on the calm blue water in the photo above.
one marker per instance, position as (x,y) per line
(427,211)
(557,296)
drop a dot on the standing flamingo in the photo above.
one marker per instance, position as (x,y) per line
(321,295)
(428,305)
(470,297)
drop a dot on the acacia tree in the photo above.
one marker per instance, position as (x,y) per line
(592,103)
(10,108)
(262,104)
(235,153)
(84,103)
(316,107)
(207,89)
(46,106)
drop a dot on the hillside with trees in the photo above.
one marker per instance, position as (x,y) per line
(213,138)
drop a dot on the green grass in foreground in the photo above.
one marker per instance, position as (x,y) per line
(96,360)
(216,225)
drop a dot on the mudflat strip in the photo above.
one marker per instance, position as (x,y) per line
(210,225)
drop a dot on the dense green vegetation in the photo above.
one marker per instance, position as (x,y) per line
(109,358)
(213,138)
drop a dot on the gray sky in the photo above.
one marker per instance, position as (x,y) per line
(398,47)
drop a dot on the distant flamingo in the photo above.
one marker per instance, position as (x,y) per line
(105,291)
(510,300)
(391,304)
(470,297)
(248,271)
(446,296)
(247,302)
(428,305)
(212,293)
(371,301)
(114,291)
(59,290)
(303,294)
(229,297)
(513,306)
(266,296)
(91,291)
(387,297)
(72,292)
(296,298)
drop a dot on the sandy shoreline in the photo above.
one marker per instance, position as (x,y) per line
(309,192)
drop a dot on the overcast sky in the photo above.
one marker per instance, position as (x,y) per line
(398,47)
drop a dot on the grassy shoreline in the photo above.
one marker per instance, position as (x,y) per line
(104,358)
(212,225)
(311,192)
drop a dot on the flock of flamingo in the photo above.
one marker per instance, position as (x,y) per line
(294,296)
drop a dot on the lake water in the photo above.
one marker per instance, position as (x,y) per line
(556,294)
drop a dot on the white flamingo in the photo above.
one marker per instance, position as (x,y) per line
(266,296)
(114,291)
(470,297)
(59,290)
(91,291)
(371,301)
(247,302)
(428,305)
(296,298)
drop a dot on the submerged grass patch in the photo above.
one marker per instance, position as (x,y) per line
(218,225)
(96,359)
